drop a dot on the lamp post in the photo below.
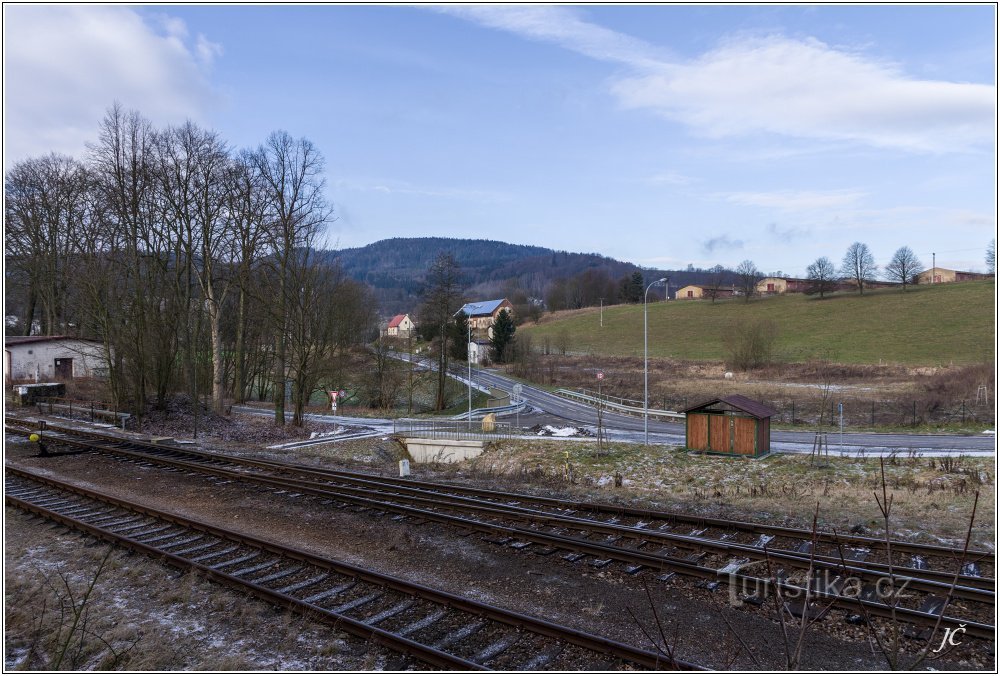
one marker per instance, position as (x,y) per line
(468,358)
(645,359)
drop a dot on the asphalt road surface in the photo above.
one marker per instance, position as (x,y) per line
(630,428)
(549,409)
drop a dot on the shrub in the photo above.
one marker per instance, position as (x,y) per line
(750,345)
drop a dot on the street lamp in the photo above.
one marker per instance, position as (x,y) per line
(645,358)
(468,358)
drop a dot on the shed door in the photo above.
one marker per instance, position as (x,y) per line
(697,431)
(744,433)
(719,433)
(64,368)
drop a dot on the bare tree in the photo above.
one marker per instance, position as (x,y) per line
(247,211)
(715,282)
(748,276)
(44,201)
(194,173)
(290,174)
(142,328)
(903,267)
(991,256)
(822,276)
(441,301)
(859,266)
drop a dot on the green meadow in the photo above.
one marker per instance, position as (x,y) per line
(923,326)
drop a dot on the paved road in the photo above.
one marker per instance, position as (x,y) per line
(624,427)
(553,409)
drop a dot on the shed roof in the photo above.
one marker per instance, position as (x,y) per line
(481,308)
(396,321)
(22,340)
(738,401)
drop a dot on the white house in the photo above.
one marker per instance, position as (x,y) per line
(47,358)
(400,325)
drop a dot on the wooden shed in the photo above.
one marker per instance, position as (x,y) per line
(733,425)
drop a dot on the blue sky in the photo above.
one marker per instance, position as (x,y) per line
(661,135)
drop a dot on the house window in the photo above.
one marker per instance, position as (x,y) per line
(690,294)
(770,288)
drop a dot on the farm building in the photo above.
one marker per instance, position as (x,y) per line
(945,276)
(694,292)
(773,285)
(47,358)
(400,326)
(733,425)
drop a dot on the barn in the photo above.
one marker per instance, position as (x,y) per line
(732,425)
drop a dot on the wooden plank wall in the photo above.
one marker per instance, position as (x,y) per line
(697,431)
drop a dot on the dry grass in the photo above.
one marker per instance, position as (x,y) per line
(933,496)
(894,397)
(149,616)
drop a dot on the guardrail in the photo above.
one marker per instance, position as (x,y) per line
(477,412)
(442,429)
(621,408)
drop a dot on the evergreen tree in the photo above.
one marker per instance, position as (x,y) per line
(503,336)
(459,336)
(632,288)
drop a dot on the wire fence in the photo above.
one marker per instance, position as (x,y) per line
(865,414)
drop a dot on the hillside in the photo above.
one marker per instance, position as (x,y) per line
(928,325)
(396,268)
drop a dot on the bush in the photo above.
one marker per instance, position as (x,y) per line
(750,345)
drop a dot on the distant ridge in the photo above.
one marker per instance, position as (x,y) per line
(396,268)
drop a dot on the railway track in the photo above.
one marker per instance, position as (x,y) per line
(613,534)
(437,628)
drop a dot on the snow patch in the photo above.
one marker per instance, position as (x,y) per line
(550,431)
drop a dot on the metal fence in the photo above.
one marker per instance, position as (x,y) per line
(453,429)
(78,409)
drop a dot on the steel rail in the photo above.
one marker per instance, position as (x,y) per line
(654,561)
(928,581)
(968,587)
(433,656)
(614,510)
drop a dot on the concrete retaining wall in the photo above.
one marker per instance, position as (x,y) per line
(442,450)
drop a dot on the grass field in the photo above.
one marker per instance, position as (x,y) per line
(929,325)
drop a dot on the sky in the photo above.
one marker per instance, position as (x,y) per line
(667,136)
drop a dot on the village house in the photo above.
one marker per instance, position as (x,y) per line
(483,314)
(47,358)
(400,326)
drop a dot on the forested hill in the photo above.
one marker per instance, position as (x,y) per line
(396,268)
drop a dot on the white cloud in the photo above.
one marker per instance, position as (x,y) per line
(774,84)
(562,26)
(65,65)
(806,89)
(795,200)
(669,178)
